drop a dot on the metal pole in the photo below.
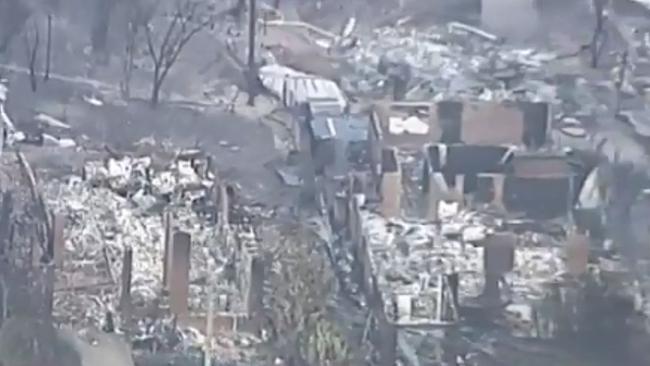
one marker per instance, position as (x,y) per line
(252,70)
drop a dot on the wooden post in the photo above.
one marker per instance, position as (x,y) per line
(179,274)
(125,298)
(56,247)
(167,238)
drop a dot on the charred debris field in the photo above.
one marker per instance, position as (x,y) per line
(391,182)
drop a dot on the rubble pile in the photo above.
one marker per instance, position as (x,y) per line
(104,219)
(403,253)
(402,250)
(445,64)
(181,176)
(534,268)
(459,62)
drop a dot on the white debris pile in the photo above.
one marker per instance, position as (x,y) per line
(408,256)
(139,174)
(97,218)
(402,252)
(445,64)
(100,224)
(534,268)
(295,87)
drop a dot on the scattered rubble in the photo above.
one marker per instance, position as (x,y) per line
(446,65)
(463,201)
(403,254)
(120,203)
(294,88)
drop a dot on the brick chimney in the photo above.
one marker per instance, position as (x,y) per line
(391,184)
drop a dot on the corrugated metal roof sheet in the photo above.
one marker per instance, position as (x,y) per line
(300,87)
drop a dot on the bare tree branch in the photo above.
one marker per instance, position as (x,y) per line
(150,46)
(184,25)
(170,31)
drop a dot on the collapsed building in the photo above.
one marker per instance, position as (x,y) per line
(463,145)
(151,238)
(27,283)
(456,210)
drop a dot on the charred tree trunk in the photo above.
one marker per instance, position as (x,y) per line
(128,60)
(188,20)
(32,55)
(32,64)
(48,52)
(155,89)
(599,37)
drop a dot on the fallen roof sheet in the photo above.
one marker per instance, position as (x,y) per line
(300,87)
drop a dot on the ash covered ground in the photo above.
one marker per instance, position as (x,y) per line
(374,127)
